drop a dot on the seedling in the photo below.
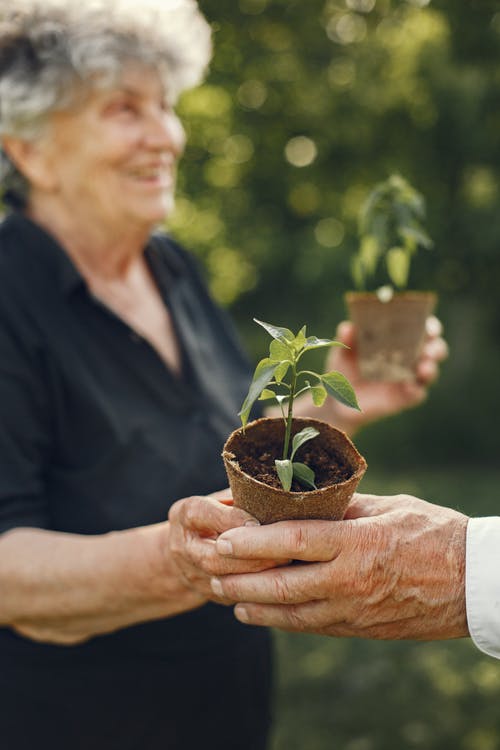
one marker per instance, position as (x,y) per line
(285,352)
(391,230)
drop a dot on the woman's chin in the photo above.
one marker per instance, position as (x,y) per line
(153,215)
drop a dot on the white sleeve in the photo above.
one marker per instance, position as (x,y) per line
(482,583)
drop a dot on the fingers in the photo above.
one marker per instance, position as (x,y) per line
(308,541)
(433,326)
(323,618)
(435,348)
(224,496)
(434,351)
(289,585)
(307,617)
(195,523)
(203,555)
(208,516)
(346,333)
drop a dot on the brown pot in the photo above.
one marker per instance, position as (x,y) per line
(269,504)
(389,334)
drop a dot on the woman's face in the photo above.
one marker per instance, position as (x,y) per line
(113,158)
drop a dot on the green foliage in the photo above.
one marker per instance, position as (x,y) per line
(285,352)
(390,229)
(307,106)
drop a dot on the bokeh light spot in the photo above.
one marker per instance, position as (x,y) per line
(301,151)
(329,232)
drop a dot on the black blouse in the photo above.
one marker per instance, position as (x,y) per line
(97,434)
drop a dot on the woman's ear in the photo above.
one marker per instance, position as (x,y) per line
(31,159)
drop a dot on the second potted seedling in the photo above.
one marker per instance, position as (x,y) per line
(289,468)
(390,324)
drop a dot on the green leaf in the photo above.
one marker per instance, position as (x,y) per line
(264,373)
(398,266)
(304,475)
(308,433)
(285,473)
(357,272)
(339,387)
(267,394)
(318,393)
(314,343)
(419,236)
(281,334)
(300,340)
(369,254)
(279,351)
(281,371)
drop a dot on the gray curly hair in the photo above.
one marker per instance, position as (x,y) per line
(52,50)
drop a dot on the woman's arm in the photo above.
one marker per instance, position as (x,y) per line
(66,588)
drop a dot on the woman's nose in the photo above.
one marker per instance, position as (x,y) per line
(165,132)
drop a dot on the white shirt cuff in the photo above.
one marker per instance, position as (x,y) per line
(482,583)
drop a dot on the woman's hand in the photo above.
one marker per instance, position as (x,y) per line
(395,568)
(195,524)
(376,399)
(380,399)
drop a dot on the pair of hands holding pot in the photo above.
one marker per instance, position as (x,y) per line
(393,568)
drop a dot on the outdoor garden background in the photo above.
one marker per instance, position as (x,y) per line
(308,104)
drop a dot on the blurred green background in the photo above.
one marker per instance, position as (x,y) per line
(307,105)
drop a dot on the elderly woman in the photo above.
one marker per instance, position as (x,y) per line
(119,381)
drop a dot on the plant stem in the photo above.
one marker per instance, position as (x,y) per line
(288,428)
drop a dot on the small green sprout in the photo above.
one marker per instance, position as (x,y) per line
(268,382)
(391,229)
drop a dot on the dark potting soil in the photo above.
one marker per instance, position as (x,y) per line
(259,458)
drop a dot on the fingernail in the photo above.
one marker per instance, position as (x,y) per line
(241,614)
(252,522)
(224,547)
(216,586)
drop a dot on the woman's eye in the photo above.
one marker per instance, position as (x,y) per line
(126,107)
(122,107)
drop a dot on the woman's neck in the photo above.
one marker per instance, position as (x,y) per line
(107,252)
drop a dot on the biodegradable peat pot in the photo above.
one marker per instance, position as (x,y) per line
(389,334)
(262,442)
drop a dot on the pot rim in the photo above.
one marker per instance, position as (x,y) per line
(230,459)
(407,294)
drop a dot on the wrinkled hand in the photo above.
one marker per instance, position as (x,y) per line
(379,399)
(393,569)
(195,524)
